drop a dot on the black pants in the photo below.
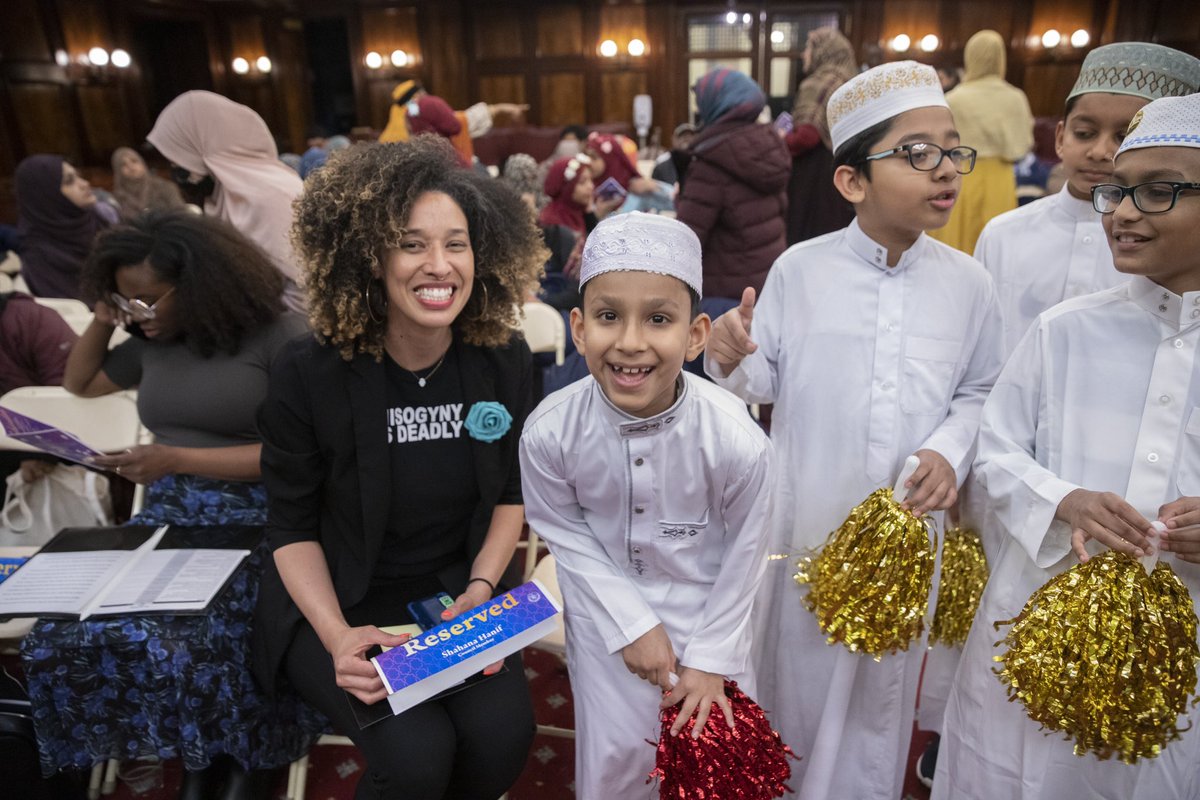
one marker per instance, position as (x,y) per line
(469,745)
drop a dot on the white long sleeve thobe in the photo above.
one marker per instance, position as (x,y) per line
(1038,255)
(865,364)
(1103,393)
(650,520)
(1042,253)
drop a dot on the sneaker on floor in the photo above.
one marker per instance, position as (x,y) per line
(927,763)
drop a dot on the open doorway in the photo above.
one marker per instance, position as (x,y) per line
(327,42)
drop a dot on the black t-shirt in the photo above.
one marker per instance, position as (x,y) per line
(433,473)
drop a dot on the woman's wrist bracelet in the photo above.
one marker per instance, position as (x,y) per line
(491,585)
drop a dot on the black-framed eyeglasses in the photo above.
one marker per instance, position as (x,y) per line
(1152,197)
(926,156)
(138,309)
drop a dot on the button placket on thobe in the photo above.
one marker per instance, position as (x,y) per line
(640,469)
(1162,414)
(886,374)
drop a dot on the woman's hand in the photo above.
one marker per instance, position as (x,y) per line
(697,690)
(145,463)
(476,594)
(352,670)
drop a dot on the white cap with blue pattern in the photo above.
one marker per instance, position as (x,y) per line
(1167,122)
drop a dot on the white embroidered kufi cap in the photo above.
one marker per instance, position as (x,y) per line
(638,242)
(1168,122)
(881,93)
(1140,69)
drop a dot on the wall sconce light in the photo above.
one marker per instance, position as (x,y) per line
(608,48)
(399,58)
(731,17)
(1080,38)
(373,60)
(1051,39)
(96,64)
(777,37)
(242,66)
(636,47)
(929,43)
(901,43)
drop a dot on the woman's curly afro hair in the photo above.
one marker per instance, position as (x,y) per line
(353,211)
(225,286)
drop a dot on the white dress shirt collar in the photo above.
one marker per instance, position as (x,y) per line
(1077,210)
(628,425)
(876,254)
(1180,312)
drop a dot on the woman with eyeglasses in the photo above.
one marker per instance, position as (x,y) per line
(203,305)
(993,117)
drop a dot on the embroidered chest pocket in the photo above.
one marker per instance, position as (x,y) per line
(1188,478)
(929,369)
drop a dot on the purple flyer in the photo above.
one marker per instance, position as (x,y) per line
(44,437)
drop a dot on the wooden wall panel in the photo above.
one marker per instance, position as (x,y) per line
(84,26)
(1047,86)
(563,98)
(44,120)
(622,23)
(379,101)
(105,119)
(388,29)
(560,31)
(617,90)
(1064,16)
(502,88)
(23,35)
(291,85)
(499,35)
(447,65)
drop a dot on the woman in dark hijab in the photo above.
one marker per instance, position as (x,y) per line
(57,224)
(139,190)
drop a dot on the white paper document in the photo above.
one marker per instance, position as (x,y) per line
(110,582)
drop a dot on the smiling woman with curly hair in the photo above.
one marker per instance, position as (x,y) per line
(354,211)
(390,455)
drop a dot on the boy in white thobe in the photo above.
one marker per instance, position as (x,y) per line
(652,488)
(875,342)
(1091,432)
(1054,249)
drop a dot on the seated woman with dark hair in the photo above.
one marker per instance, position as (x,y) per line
(203,305)
(415,270)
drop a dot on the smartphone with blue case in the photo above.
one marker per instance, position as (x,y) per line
(428,612)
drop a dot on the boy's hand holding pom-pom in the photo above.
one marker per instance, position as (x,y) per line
(696,693)
(723,762)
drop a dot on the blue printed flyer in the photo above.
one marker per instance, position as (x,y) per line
(443,656)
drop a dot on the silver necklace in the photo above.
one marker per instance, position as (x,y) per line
(421,379)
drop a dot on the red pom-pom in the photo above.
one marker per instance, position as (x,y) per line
(749,762)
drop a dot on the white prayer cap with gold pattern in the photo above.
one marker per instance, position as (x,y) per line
(1140,69)
(880,94)
(1166,122)
(638,242)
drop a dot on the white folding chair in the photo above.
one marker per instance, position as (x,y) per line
(6,283)
(105,423)
(546,573)
(19,284)
(10,264)
(544,330)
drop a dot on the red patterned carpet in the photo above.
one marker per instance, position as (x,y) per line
(549,774)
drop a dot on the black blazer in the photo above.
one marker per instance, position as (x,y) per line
(327,469)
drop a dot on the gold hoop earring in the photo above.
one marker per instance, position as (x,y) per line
(376,318)
(483,311)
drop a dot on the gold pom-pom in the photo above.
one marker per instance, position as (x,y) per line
(964,574)
(1107,655)
(869,585)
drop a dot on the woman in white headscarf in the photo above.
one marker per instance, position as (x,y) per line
(230,155)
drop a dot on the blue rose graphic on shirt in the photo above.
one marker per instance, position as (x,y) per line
(488,420)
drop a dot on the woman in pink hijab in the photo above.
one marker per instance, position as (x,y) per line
(210,136)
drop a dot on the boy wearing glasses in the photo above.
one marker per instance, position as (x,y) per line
(874,342)
(1053,249)
(1092,431)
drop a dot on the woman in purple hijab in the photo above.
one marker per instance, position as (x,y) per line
(56,226)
